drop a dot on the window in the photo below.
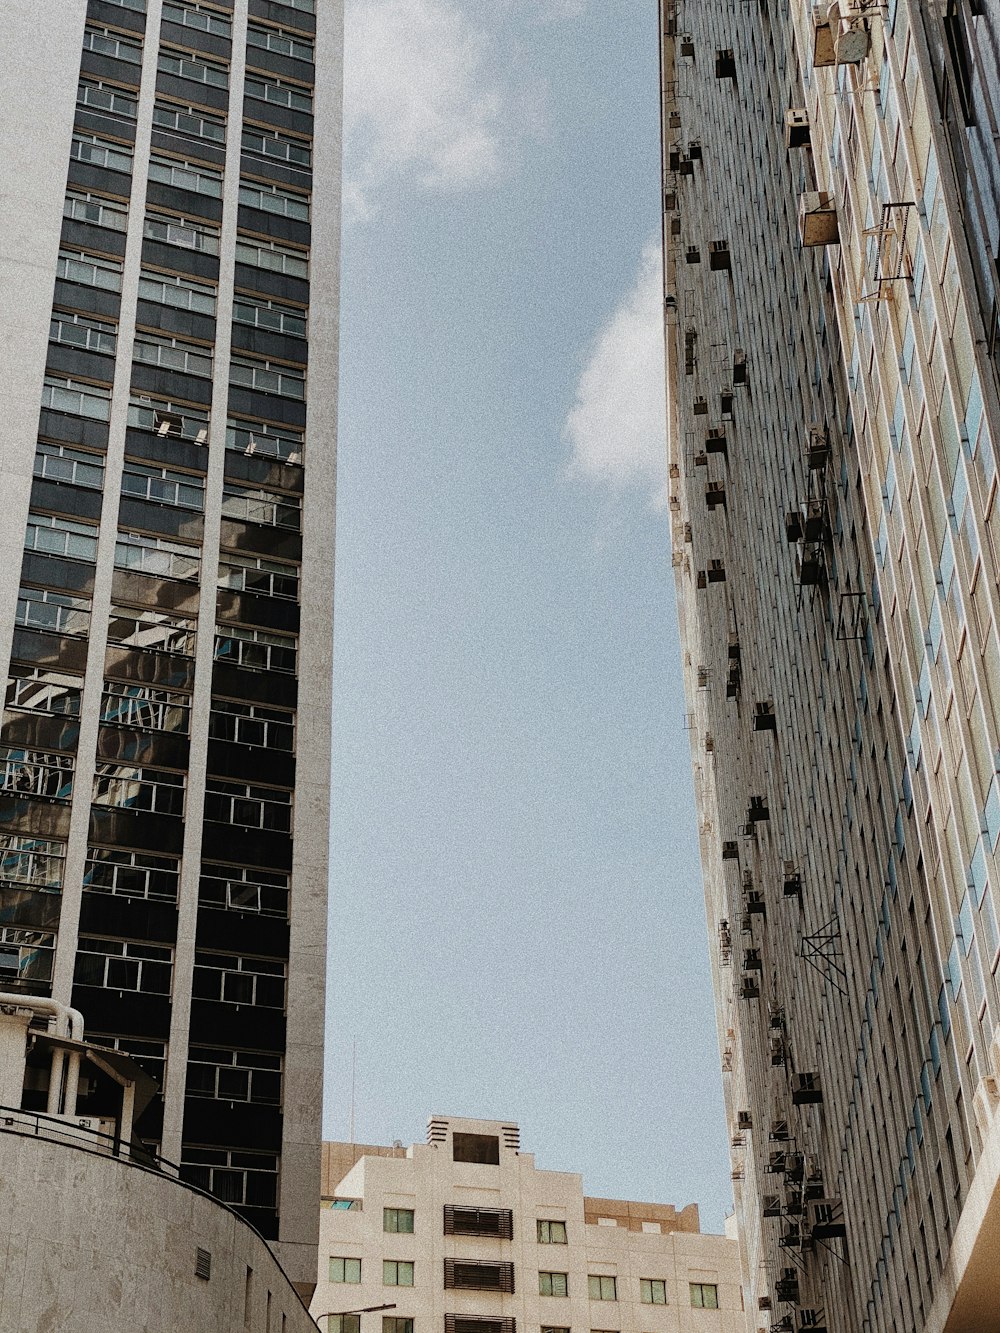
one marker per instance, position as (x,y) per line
(602,1288)
(99,152)
(270,315)
(397,1219)
(61,462)
(57,612)
(460,1221)
(280,43)
(238,1177)
(271,199)
(137,787)
(146,707)
(257,437)
(236,979)
(478,1275)
(551,1233)
(89,270)
(193,16)
(185,176)
(44,691)
(162,485)
(157,556)
(345,1270)
(123,965)
(252,724)
(269,143)
(246,805)
(244,889)
(130,874)
(149,1055)
(704,1295)
(252,504)
(309,7)
(195,68)
(190,235)
(76,397)
(140,627)
(255,649)
(188,122)
(61,536)
(166,418)
(99,96)
(553,1284)
(94,335)
(652,1291)
(138,5)
(397,1273)
(180,293)
(483,1148)
(173,354)
(234,1076)
(278,93)
(104,42)
(273,257)
(37,862)
(90,208)
(343,1323)
(25,955)
(549,1328)
(268,578)
(392,1324)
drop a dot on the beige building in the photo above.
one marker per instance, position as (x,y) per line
(464,1234)
(831,192)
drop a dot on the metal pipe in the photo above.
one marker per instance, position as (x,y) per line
(69,1022)
(72,1083)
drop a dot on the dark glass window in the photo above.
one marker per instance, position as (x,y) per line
(483,1148)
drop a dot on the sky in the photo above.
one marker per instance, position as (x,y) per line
(517,922)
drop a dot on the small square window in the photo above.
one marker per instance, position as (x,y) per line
(343,1323)
(553,1284)
(602,1288)
(398,1220)
(551,1233)
(704,1295)
(390,1324)
(345,1270)
(652,1291)
(397,1273)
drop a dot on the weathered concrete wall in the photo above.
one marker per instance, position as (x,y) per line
(94,1245)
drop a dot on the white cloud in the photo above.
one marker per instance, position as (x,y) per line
(423,99)
(617,426)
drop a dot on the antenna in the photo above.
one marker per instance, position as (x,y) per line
(354,1069)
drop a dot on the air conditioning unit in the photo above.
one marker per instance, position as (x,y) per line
(851,44)
(809,568)
(719,260)
(700,408)
(744,1120)
(817,448)
(715,442)
(739,366)
(814,520)
(793,526)
(824,49)
(693,255)
(725,65)
(669,201)
(985,1102)
(818,223)
(716,571)
(730,851)
(715,494)
(763,716)
(806,1089)
(792,882)
(797,128)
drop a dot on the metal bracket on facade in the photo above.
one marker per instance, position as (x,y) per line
(821,950)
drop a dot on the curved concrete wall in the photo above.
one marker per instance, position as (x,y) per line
(93,1244)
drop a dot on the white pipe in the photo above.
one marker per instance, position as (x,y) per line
(55,1082)
(72,1083)
(69,1022)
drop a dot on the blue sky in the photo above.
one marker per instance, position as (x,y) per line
(517,923)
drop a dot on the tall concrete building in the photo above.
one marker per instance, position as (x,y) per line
(831,224)
(169,279)
(464,1234)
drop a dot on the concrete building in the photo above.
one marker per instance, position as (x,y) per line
(464,1234)
(169,267)
(95,1232)
(831,239)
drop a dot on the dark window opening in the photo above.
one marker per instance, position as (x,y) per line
(483,1148)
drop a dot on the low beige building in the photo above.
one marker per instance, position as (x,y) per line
(464,1234)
